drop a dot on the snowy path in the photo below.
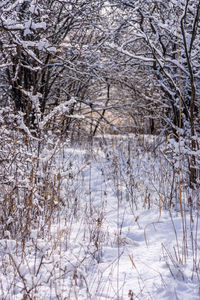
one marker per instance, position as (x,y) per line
(137,238)
(99,246)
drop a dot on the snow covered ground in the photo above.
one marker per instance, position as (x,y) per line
(113,237)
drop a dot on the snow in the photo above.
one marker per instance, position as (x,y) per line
(100,246)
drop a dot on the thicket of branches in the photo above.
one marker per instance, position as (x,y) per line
(134,58)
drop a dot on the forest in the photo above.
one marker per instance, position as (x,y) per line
(99,149)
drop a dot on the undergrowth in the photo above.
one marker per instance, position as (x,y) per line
(53,233)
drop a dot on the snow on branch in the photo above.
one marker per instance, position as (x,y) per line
(58,110)
(22,126)
(121,50)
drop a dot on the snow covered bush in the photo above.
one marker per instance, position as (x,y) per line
(30,180)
